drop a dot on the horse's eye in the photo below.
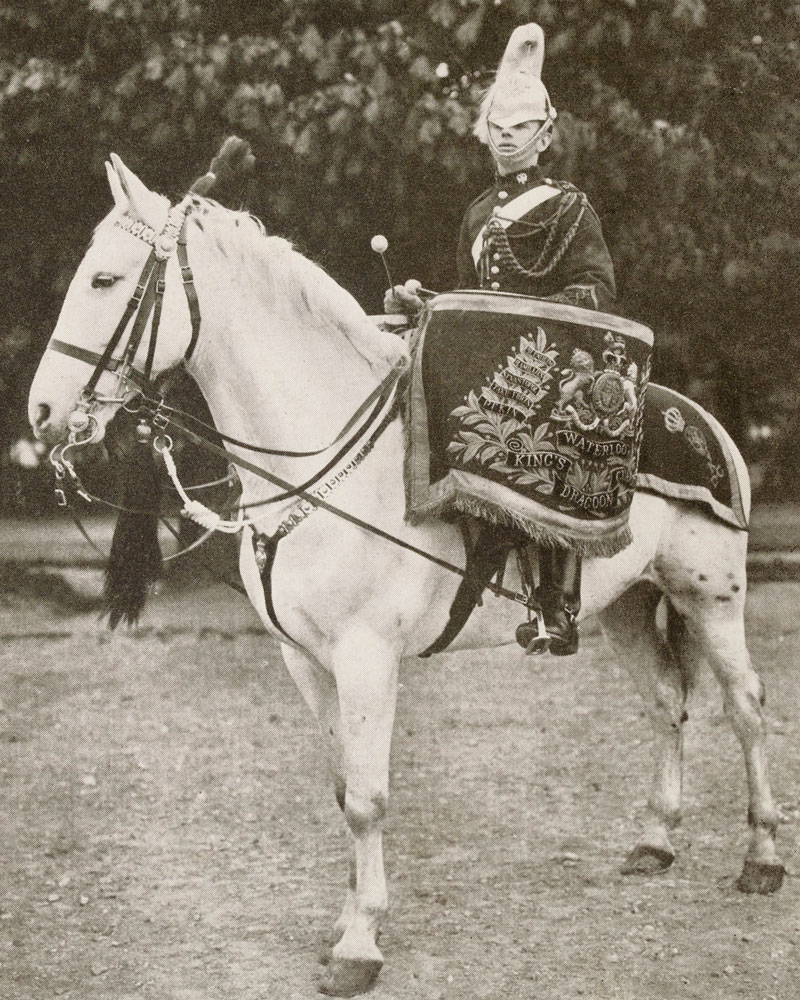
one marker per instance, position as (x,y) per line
(103,280)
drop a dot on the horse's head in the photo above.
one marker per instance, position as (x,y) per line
(103,343)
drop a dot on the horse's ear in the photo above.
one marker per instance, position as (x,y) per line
(120,198)
(143,204)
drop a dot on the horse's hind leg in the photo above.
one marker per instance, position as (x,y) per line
(710,605)
(630,627)
(743,696)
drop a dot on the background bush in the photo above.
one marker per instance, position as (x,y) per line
(678,117)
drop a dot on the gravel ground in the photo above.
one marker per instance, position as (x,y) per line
(169,831)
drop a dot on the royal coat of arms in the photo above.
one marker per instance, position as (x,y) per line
(604,401)
(582,451)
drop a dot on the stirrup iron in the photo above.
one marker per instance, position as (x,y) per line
(532,635)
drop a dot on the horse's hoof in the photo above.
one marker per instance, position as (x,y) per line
(760,877)
(647,860)
(348,977)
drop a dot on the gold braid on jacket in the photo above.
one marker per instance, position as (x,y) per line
(542,266)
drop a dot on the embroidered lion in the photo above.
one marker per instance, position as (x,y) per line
(573,404)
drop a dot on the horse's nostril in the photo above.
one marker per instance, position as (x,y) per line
(42,414)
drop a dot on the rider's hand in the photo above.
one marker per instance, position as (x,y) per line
(403,299)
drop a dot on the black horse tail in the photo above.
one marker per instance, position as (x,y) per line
(135,559)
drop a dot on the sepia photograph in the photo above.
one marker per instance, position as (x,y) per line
(399,522)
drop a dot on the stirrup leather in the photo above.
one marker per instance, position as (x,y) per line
(532,635)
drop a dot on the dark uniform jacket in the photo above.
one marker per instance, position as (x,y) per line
(554,249)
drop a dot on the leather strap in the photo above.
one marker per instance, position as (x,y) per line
(133,304)
(191,293)
(485,558)
(91,358)
(268,544)
(159,289)
(379,392)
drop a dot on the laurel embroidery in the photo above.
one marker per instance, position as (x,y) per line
(496,422)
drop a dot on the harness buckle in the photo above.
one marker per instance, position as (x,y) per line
(61,497)
(260,553)
(161,286)
(159,418)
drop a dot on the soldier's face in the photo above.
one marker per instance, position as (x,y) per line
(509,139)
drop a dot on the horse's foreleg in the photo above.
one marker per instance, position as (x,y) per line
(366,669)
(720,632)
(630,627)
(318,687)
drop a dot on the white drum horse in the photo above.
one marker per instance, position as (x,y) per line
(286,357)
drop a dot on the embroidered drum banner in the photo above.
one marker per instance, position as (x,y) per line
(528,413)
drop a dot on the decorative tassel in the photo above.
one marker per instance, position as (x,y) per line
(233,162)
(135,560)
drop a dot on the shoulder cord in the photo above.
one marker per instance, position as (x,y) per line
(540,269)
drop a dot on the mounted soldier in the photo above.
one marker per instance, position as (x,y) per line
(533,235)
(354,589)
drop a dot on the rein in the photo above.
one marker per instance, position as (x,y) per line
(317,502)
(170,412)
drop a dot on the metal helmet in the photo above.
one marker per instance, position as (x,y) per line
(517,94)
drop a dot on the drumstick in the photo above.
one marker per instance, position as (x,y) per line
(413,286)
(380,245)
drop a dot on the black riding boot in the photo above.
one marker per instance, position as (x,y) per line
(559,595)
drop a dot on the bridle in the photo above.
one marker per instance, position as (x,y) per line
(148,399)
(147,299)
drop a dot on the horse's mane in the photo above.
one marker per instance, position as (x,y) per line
(296,287)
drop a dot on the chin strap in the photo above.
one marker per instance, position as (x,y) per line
(520,159)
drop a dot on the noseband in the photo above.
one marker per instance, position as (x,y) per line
(147,300)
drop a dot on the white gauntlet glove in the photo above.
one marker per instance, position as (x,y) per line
(403,299)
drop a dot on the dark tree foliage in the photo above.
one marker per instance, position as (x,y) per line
(678,117)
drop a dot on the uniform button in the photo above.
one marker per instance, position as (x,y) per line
(495,270)
(495,256)
(496,210)
(502,194)
(495,285)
